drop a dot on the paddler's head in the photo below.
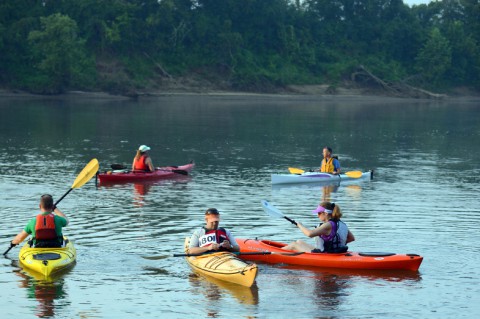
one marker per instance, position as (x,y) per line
(46,203)
(327,152)
(327,210)
(143,148)
(212,218)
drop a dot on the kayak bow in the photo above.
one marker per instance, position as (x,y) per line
(47,261)
(224,266)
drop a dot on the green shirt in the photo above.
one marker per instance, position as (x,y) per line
(59,223)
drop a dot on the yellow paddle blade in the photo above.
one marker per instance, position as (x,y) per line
(294,170)
(86,174)
(354,174)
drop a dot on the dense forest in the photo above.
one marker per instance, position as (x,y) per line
(122,46)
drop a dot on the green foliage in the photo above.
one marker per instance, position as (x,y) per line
(50,47)
(435,57)
(60,55)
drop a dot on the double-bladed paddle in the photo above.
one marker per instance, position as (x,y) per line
(275,212)
(124,168)
(351,174)
(238,253)
(84,176)
(232,252)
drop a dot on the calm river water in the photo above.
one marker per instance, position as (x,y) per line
(424,199)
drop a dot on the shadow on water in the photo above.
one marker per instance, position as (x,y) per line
(214,290)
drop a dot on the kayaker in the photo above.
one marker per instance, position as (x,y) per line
(332,235)
(211,237)
(330,164)
(142,161)
(46,227)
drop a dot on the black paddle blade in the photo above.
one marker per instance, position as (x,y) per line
(118,166)
(180,171)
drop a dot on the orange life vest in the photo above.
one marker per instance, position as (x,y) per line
(327,166)
(45,227)
(140,164)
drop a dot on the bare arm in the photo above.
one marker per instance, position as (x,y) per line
(149,163)
(231,243)
(325,229)
(350,237)
(201,250)
(20,237)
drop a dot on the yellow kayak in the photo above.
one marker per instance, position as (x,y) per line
(224,266)
(48,261)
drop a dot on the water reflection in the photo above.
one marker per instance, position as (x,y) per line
(45,290)
(141,189)
(369,274)
(214,290)
(331,287)
(238,146)
(327,191)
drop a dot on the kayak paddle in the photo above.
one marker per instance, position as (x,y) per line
(239,253)
(351,174)
(121,167)
(84,176)
(232,252)
(275,212)
(354,174)
(294,170)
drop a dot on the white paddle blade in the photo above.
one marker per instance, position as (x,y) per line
(271,210)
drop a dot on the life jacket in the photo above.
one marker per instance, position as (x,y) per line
(213,236)
(332,242)
(45,227)
(140,163)
(327,166)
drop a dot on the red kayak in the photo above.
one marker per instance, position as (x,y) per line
(116,176)
(347,260)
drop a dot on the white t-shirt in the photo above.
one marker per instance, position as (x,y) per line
(198,239)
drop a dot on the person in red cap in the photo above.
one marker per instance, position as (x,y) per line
(142,161)
(332,235)
(211,237)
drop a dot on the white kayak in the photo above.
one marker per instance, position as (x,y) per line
(317,177)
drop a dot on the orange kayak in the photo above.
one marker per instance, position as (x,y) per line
(347,260)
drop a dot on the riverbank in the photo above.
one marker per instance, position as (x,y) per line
(290,92)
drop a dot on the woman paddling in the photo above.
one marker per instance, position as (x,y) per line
(142,161)
(332,235)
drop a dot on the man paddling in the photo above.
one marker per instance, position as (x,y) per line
(211,237)
(330,164)
(46,227)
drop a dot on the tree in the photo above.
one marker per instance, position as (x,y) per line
(59,53)
(435,57)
